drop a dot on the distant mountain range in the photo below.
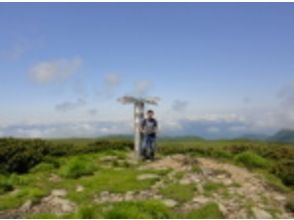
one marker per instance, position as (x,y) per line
(282,136)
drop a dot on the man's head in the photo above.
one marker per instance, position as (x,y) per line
(150,113)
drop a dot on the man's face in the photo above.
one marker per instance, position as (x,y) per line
(150,114)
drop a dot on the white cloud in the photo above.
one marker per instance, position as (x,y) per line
(112,80)
(228,117)
(56,70)
(68,106)
(179,105)
(142,87)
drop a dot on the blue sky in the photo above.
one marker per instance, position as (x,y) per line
(220,69)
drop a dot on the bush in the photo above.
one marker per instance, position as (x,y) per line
(20,155)
(252,160)
(284,169)
(77,167)
(5,185)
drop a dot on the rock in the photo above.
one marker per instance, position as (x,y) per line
(26,206)
(54,203)
(129,196)
(59,192)
(170,202)
(54,178)
(221,176)
(200,188)
(104,194)
(108,158)
(280,198)
(200,199)
(157,197)
(195,178)
(80,188)
(222,208)
(227,182)
(147,176)
(185,181)
(260,213)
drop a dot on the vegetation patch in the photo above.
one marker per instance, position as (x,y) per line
(252,160)
(208,211)
(42,216)
(179,192)
(77,167)
(290,204)
(149,209)
(5,185)
(211,187)
(18,198)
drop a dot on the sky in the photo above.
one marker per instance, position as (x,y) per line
(221,70)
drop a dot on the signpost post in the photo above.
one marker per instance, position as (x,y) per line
(139,104)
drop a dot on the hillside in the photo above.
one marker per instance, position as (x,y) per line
(283,136)
(102,179)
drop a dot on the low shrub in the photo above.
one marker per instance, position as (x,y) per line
(42,167)
(5,185)
(21,155)
(252,160)
(284,169)
(77,167)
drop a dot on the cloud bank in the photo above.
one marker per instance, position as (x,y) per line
(50,71)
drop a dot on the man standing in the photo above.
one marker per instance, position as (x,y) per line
(149,128)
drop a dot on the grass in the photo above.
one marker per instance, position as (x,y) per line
(211,187)
(252,160)
(208,211)
(42,216)
(111,180)
(77,167)
(15,200)
(43,167)
(148,209)
(179,192)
